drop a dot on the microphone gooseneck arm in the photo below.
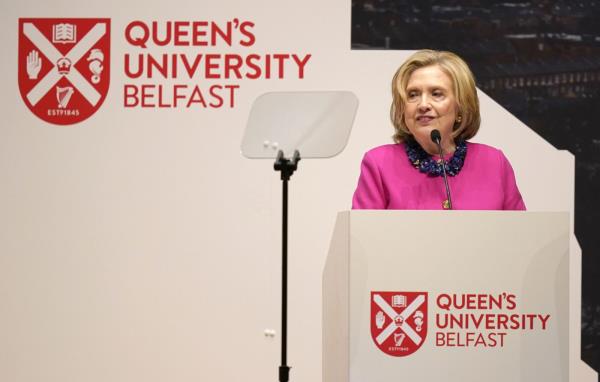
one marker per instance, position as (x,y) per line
(437,139)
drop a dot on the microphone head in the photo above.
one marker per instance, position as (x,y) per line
(436,137)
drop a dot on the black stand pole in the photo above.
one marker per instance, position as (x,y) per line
(287,168)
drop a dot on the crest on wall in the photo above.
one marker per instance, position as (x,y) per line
(64,67)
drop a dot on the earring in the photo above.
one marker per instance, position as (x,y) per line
(459,119)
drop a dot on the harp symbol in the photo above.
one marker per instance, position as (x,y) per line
(63,95)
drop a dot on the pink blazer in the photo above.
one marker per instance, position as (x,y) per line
(389,181)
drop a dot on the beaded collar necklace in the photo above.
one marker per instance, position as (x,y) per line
(426,164)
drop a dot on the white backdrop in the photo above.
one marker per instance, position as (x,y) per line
(140,245)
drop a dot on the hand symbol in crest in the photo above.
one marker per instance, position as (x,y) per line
(34,64)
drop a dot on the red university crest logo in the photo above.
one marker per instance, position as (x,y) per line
(64,67)
(398,321)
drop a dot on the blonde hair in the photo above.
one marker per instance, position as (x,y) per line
(463,82)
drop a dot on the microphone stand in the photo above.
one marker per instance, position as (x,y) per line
(436,138)
(287,168)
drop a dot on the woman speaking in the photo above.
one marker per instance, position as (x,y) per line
(435,111)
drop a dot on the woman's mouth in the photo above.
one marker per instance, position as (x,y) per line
(424,119)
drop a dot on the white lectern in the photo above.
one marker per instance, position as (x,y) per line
(447,296)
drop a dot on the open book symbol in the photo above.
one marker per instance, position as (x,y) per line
(64,33)
(399,301)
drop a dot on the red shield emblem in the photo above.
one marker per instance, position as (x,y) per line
(398,321)
(64,67)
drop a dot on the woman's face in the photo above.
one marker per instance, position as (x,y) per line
(430,104)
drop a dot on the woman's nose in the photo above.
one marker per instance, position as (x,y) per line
(424,103)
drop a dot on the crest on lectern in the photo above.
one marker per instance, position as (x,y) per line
(398,321)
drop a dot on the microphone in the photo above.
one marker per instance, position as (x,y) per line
(436,137)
